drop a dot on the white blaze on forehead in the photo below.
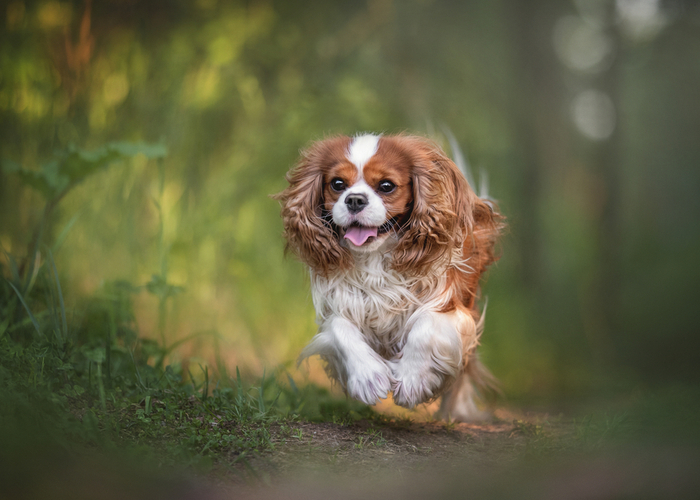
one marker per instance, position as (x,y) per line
(362,148)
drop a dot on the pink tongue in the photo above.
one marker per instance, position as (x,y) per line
(358,235)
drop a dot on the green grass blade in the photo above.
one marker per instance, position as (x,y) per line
(292,384)
(195,388)
(26,307)
(101,387)
(62,305)
(64,232)
(14,269)
(261,391)
(136,370)
(51,308)
(274,401)
(33,257)
(205,386)
(186,338)
(3,326)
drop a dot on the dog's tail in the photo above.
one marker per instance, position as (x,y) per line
(482,190)
(475,385)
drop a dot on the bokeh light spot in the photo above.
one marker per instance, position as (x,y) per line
(593,113)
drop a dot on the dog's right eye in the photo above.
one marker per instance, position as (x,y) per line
(338,184)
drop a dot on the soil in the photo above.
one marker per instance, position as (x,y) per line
(366,452)
(368,449)
(519,456)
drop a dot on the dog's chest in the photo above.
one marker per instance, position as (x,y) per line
(375,299)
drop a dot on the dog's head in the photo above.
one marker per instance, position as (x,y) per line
(370,193)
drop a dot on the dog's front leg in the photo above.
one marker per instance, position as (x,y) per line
(431,356)
(364,374)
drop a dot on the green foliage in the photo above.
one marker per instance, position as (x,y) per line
(235,89)
(598,274)
(161,289)
(93,381)
(73,165)
(54,180)
(372,438)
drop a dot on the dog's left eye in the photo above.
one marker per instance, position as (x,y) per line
(386,186)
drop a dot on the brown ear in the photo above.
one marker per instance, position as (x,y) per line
(309,235)
(441,217)
(479,248)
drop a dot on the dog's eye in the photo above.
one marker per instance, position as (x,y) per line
(386,186)
(338,184)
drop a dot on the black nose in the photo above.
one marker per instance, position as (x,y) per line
(356,202)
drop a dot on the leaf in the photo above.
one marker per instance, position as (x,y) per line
(47,180)
(96,355)
(150,151)
(73,165)
(160,288)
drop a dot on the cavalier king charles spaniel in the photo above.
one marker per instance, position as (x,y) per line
(396,241)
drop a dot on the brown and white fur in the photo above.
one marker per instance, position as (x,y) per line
(396,241)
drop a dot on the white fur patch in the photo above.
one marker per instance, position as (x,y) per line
(362,148)
(374,330)
(373,215)
(432,352)
(362,372)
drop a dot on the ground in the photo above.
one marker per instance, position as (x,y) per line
(369,449)
(369,452)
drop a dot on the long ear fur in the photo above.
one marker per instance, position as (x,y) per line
(309,235)
(441,217)
(479,246)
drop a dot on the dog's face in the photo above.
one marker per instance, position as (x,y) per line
(353,195)
(368,194)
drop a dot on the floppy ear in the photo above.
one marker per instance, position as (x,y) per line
(441,217)
(479,247)
(309,234)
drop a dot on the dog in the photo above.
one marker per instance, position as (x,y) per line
(396,241)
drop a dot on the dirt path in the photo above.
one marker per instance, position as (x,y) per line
(515,456)
(370,451)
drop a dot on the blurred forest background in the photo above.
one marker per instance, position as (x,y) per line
(585,114)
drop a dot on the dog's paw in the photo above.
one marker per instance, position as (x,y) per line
(415,383)
(369,382)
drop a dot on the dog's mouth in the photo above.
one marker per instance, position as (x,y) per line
(359,234)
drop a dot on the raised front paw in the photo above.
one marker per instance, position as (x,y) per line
(369,382)
(415,382)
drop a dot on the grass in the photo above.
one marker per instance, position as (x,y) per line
(102,385)
(76,384)
(87,380)
(77,379)
(373,437)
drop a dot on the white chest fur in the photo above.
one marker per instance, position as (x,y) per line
(377,300)
(380,331)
